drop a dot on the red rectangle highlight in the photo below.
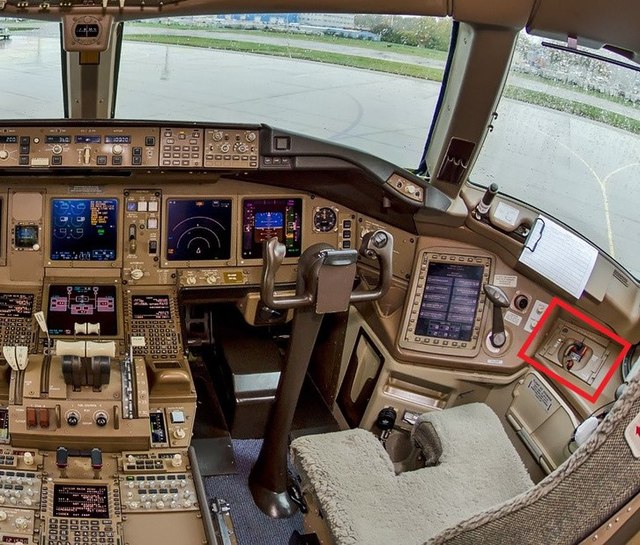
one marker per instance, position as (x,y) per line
(556,302)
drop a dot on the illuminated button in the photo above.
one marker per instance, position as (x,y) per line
(32,418)
(177,417)
(142,206)
(153,206)
(152,223)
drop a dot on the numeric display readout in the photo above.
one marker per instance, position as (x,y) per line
(16,305)
(80,501)
(150,307)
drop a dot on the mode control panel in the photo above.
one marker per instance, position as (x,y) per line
(79,147)
(231,148)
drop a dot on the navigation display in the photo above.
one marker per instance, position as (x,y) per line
(450,300)
(198,230)
(263,219)
(16,305)
(84,229)
(77,309)
(80,501)
(150,307)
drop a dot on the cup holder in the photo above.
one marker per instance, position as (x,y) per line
(402,452)
(398,446)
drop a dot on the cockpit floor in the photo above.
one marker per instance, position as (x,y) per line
(252,527)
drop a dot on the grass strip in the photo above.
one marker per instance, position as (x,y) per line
(405,69)
(391,67)
(580,109)
(421,52)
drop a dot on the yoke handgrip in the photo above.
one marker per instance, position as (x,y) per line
(274,253)
(377,244)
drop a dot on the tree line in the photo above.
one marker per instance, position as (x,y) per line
(427,32)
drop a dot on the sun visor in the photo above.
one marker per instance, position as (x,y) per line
(594,24)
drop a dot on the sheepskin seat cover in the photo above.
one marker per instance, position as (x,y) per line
(365,503)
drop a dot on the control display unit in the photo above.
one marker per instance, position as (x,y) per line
(447,301)
(263,219)
(84,229)
(16,305)
(198,230)
(80,501)
(77,309)
(150,307)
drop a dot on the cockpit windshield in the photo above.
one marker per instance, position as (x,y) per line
(365,81)
(567,140)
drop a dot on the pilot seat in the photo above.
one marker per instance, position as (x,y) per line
(476,492)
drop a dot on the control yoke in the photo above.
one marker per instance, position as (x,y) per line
(377,244)
(324,285)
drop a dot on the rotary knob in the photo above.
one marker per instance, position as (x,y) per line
(117,149)
(217,136)
(211,279)
(240,147)
(250,136)
(136,274)
(56,149)
(21,523)
(27,501)
(159,504)
(27,458)
(225,148)
(4,154)
(101,420)
(179,433)
(3,516)
(191,280)
(73,419)
(176,461)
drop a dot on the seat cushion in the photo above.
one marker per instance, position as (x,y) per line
(365,503)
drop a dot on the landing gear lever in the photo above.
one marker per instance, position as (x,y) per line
(324,285)
(500,300)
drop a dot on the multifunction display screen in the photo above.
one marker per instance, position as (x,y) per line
(16,305)
(263,219)
(450,301)
(80,501)
(150,307)
(198,230)
(70,307)
(84,229)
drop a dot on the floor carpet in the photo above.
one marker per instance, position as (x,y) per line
(252,527)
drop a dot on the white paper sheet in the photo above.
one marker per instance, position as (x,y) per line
(559,255)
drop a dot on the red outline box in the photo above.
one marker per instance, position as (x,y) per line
(556,302)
